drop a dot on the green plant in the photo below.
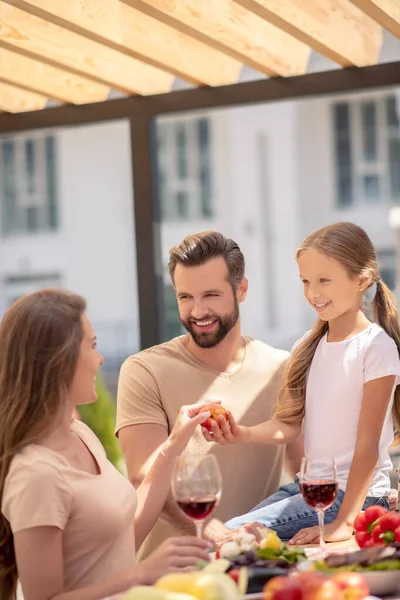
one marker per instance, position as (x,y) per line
(100,417)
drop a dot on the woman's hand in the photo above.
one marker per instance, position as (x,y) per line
(334,532)
(173,555)
(188,419)
(225,431)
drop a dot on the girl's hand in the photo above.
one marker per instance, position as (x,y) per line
(334,532)
(187,420)
(226,431)
(172,556)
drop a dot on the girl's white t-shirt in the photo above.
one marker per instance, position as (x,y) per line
(334,395)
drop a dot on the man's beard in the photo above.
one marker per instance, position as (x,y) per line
(210,339)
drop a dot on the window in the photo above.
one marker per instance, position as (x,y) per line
(18,285)
(184,169)
(28,193)
(367,151)
(387,267)
(173,326)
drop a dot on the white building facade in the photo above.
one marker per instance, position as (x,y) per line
(265,175)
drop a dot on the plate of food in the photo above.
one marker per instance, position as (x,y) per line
(251,563)
(379,566)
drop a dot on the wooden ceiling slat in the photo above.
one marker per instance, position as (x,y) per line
(80,54)
(228,27)
(335,28)
(49,81)
(134,33)
(385,12)
(14,99)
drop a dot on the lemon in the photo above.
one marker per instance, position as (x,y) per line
(219,565)
(271,541)
(176,582)
(214,586)
(178,596)
(144,592)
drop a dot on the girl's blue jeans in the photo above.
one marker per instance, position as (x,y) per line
(286,511)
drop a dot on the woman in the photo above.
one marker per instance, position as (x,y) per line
(67,515)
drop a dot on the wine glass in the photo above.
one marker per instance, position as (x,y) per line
(197,486)
(319,487)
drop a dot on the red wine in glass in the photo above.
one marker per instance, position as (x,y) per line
(197,486)
(319,488)
(197,508)
(319,494)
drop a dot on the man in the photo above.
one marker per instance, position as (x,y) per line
(213,361)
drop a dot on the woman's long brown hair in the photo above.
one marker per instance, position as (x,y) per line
(40,338)
(351,247)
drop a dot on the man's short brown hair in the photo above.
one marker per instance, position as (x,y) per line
(197,249)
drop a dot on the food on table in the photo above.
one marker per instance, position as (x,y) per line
(245,550)
(251,568)
(316,586)
(271,540)
(202,585)
(282,587)
(228,550)
(377,526)
(352,585)
(216,411)
(387,530)
(240,542)
(377,558)
(143,592)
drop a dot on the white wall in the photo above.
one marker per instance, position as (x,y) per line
(94,248)
(97,218)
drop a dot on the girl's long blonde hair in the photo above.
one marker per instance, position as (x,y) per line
(40,338)
(350,245)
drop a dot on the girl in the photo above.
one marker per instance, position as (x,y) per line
(340,386)
(67,515)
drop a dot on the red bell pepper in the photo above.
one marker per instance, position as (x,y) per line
(365,524)
(377,535)
(385,532)
(364,539)
(397,535)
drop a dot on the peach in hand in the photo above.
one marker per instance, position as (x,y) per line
(216,410)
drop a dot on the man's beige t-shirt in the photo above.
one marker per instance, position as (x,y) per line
(155,383)
(95,512)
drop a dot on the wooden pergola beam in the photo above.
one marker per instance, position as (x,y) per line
(385,12)
(15,99)
(335,28)
(78,54)
(231,29)
(49,81)
(335,81)
(133,33)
